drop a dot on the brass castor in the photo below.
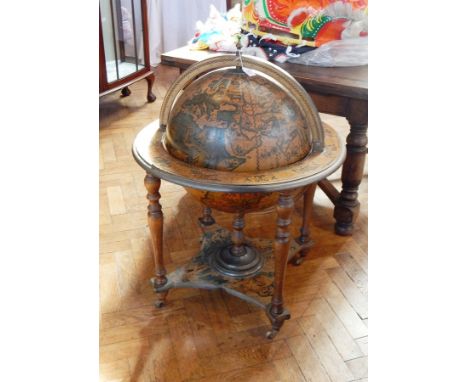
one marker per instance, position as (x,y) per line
(277,321)
(271,334)
(298,260)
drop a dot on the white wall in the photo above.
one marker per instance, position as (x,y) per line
(172,23)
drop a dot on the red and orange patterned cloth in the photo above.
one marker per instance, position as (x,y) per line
(305,22)
(281,30)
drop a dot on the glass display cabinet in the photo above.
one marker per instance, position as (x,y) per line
(123,46)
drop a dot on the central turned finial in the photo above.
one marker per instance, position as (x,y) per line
(238,249)
(238,259)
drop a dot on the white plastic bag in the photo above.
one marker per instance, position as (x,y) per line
(347,52)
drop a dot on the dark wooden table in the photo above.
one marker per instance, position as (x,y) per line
(337,91)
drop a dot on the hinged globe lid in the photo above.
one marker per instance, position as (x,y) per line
(228,120)
(238,125)
(219,117)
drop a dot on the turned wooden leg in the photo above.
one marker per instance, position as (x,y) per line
(126,91)
(306,215)
(276,311)
(206,219)
(155,222)
(347,204)
(149,95)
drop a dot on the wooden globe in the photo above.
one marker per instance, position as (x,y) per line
(227,120)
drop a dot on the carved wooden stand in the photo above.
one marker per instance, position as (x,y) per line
(265,287)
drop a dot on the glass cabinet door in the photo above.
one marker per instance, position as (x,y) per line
(122,35)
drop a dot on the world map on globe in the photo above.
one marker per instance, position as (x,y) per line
(227,120)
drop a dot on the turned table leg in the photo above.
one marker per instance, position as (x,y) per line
(305,231)
(276,311)
(347,204)
(155,222)
(149,95)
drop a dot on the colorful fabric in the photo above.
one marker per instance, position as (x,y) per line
(220,32)
(305,22)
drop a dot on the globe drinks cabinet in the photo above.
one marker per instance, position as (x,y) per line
(238,141)
(123,46)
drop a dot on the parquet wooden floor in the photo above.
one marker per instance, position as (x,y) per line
(209,335)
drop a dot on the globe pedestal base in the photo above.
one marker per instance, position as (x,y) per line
(228,263)
(258,290)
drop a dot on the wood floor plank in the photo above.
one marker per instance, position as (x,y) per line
(265,372)
(217,311)
(358,367)
(350,291)
(164,364)
(107,150)
(104,212)
(140,316)
(131,332)
(335,329)
(362,343)
(109,297)
(249,320)
(343,309)
(325,350)
(235,305)
(114,246)
(183,345)
(358,253)
(288,370)
(228,340)
(116,200)
(126,272)
(354,271)
(123,350)
(245,357)
(203,334)
(307,359)
(116,370)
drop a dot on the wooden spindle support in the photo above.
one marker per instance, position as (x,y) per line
(155,223)
(276,311)
(238,239)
